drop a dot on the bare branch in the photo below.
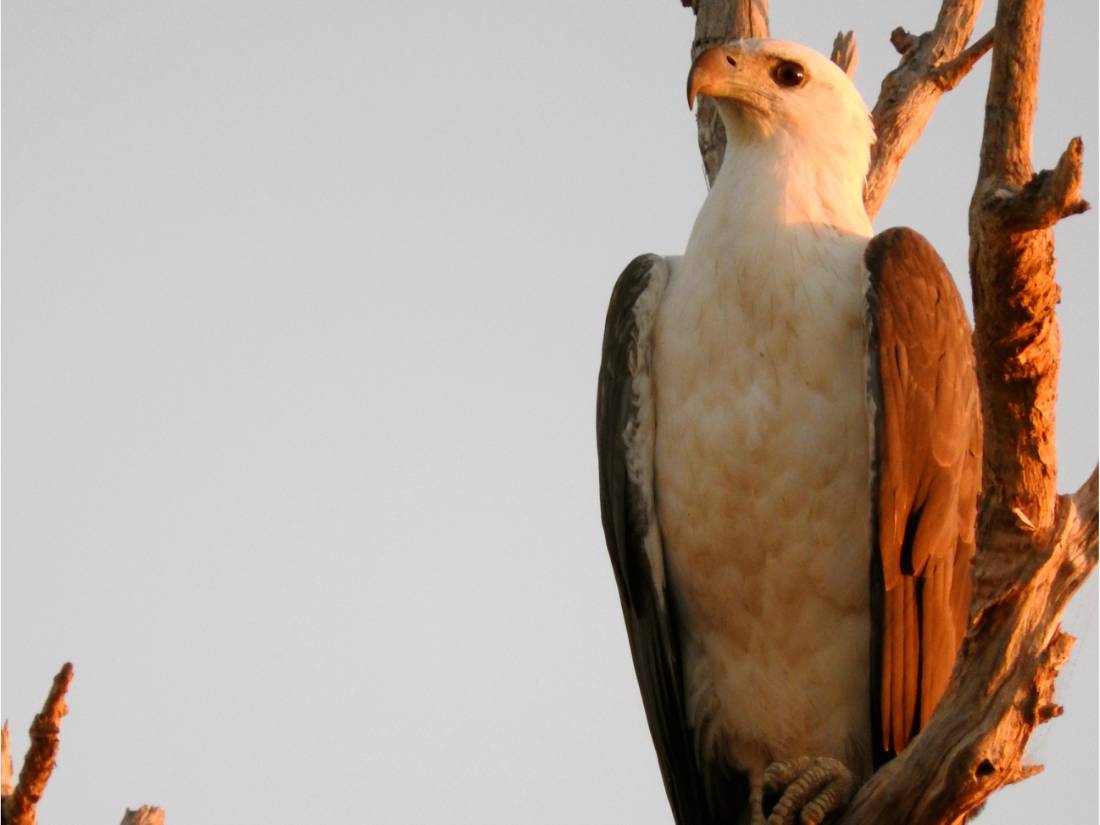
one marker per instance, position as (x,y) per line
(5,763)
(950,74)
(909,94)
(845,54)
(716,22)
(145,815)
(20,807)
(902,41)
(1044,200)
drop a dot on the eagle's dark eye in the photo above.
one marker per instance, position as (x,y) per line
(788,74)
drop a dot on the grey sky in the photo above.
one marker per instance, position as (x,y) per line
(301,321)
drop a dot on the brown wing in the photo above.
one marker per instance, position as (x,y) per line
(926,475)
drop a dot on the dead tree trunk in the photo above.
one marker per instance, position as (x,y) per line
(1035,548)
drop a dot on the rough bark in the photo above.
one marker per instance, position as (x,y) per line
(844,52)
(5,764)
(145,815)
(20,807)
(930,64)
(717,22)
(1012,274)
(1035,548)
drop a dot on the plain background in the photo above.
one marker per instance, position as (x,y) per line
(301,322)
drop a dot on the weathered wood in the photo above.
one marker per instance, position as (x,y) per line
(20,807)
(948,75)
(5,763)
(145,815)
(1012,266)
(844,53)
(717,21)
(910,92)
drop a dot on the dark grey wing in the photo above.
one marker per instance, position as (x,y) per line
(926,475)
(625,430)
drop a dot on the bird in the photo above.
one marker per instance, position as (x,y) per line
(789,451)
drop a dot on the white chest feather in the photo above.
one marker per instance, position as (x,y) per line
(762,481)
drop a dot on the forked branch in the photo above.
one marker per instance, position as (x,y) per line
(910,92)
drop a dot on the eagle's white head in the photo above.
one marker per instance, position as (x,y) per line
(791,114)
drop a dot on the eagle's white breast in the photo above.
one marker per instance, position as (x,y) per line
(762,470)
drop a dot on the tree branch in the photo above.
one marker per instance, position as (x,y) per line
(20,807)
(145,815)
(902,41)
(844,53)
(1045,199)
(950,74)
(717,22)
(910,92)
(5,765)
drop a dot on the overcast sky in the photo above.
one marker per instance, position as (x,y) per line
(301,322)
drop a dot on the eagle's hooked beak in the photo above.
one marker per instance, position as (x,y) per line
(711,73)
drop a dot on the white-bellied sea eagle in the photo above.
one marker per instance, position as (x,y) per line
(790,454)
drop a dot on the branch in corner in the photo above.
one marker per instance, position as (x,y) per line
(19,808)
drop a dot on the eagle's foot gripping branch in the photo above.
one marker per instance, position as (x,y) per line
(805,791)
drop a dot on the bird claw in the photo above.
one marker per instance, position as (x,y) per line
(809,789)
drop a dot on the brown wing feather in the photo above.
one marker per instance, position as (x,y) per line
(927,473)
